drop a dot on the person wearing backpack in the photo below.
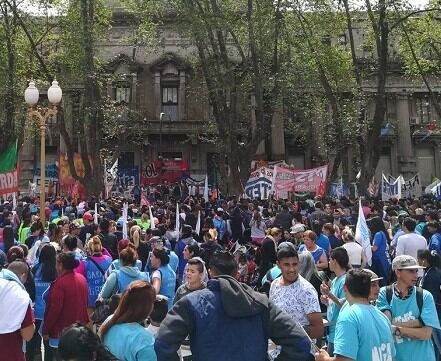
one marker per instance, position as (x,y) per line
(411,311)
(118,280)
(431,282)
(93,268)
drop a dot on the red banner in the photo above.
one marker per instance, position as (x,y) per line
(170,170)
(9,182)
(300,180)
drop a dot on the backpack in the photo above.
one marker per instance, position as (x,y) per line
(106,307)
(419,299)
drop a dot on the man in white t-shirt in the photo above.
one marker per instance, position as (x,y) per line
(410,242)
(294,295)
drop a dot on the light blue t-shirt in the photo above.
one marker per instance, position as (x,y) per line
(363,333)
(333,310)
(406,310)
(130,342)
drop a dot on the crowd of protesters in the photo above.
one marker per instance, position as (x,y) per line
(235,279)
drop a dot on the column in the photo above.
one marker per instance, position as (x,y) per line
(278,135)
(157,93)
(406,158)
(181,96)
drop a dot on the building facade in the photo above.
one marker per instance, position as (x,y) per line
(161,87)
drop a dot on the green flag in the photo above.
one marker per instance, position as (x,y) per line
(8,159)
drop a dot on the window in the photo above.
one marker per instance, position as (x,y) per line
(172,155)
(170,102)
(170,95)
(122,94)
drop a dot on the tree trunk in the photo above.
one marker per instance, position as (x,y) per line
(371,155)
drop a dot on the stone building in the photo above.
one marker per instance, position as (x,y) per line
(155,81)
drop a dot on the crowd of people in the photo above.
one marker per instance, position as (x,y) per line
(228,279)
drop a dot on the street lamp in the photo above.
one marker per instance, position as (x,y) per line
(42,115)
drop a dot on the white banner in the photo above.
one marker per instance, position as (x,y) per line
(390,190)
(412,187)
(110,175)
(259,184)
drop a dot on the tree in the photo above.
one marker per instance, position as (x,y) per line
(240,51)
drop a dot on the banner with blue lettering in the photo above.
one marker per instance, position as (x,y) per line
(51,177)
(339,190)
(127,177)
(390,190)
(259,184)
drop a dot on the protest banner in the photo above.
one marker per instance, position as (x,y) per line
(9,182)
(110,175)
(51,178)
(412,188)
(259,184)
(165,170)
(300,180)
(390,190)
(127,177)
(339,190)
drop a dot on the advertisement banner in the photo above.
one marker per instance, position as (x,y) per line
(300,180)
(127,177)
(170,170)
(259,184)
(9,182)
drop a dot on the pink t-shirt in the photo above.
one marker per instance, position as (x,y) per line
(98,259)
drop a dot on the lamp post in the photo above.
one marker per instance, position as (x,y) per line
(42,115)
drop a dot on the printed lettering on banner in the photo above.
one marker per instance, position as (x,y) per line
(9,182)
(390,190)
(259,184)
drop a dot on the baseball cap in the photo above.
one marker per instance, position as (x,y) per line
(405,262)
(297,228)
(285,246)
(374,276)
(88,216)
(220,209)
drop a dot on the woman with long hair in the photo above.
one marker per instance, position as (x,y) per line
(135,235)
(164,278)
(267,256)
(45,272)
(8,239)
(381,262)
(308,271)
(79,343)
(318,253)
(258,228)
(94,268)
(122,333)
(66,301)
(357,256)
(119,279)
